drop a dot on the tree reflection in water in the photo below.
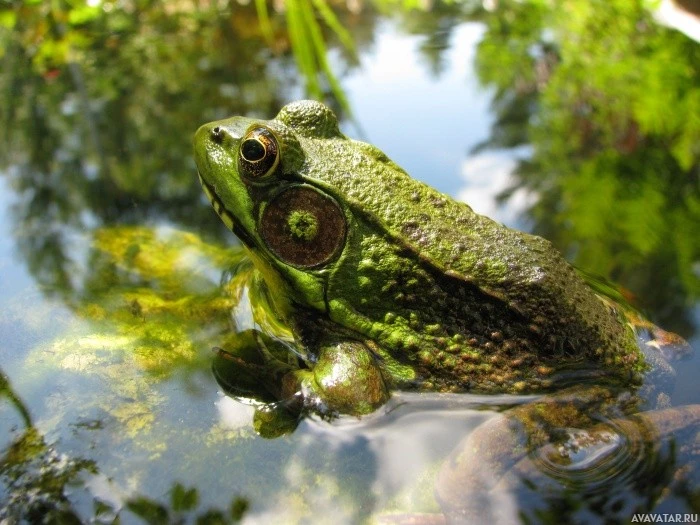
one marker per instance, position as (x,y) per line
(605,98)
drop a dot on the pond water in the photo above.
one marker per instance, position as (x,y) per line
(578,123)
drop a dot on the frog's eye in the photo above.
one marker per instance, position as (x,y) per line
(303,227)
(259,154)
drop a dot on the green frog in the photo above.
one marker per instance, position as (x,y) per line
(362,280)
(386,283)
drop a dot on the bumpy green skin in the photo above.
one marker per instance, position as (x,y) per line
(436,296)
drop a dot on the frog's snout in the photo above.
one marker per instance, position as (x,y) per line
(211,132)
(222,131)
(214,144)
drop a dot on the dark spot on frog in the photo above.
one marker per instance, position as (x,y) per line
(458,248)
(409,227)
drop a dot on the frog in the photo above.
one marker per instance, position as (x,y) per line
(382,284)
(387,283)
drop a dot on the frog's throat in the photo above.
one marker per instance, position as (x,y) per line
(216,203)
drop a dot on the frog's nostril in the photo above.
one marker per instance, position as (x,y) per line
(217,135)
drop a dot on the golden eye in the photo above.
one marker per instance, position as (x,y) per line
(303,227)
(259,154)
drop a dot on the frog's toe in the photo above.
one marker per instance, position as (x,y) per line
(274,420)
(239,378)
(672,346)
(674,423)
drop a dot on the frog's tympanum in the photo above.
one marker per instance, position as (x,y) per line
(384,283)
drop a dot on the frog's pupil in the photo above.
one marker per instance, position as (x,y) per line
(252,150)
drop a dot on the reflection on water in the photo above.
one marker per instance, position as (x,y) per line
(107,399)
(615,173)
(384,466)
(610,471)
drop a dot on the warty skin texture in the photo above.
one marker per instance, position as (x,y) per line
(398,285)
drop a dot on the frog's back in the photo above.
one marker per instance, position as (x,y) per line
(523,273)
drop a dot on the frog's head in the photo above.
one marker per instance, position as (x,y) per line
(331,223)
(260,178)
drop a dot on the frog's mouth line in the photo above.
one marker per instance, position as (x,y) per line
(219,208)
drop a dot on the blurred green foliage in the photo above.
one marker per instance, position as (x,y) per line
(308,42)
(98,109)
(609,103)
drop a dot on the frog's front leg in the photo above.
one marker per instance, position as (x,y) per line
(346,378)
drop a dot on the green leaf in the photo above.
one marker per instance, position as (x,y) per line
(332,21)
(301,47)
(150,511)
(264,17)
(82,15)
(8,18)
(212,517)
(239,506)
(321,55)
(182,498)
